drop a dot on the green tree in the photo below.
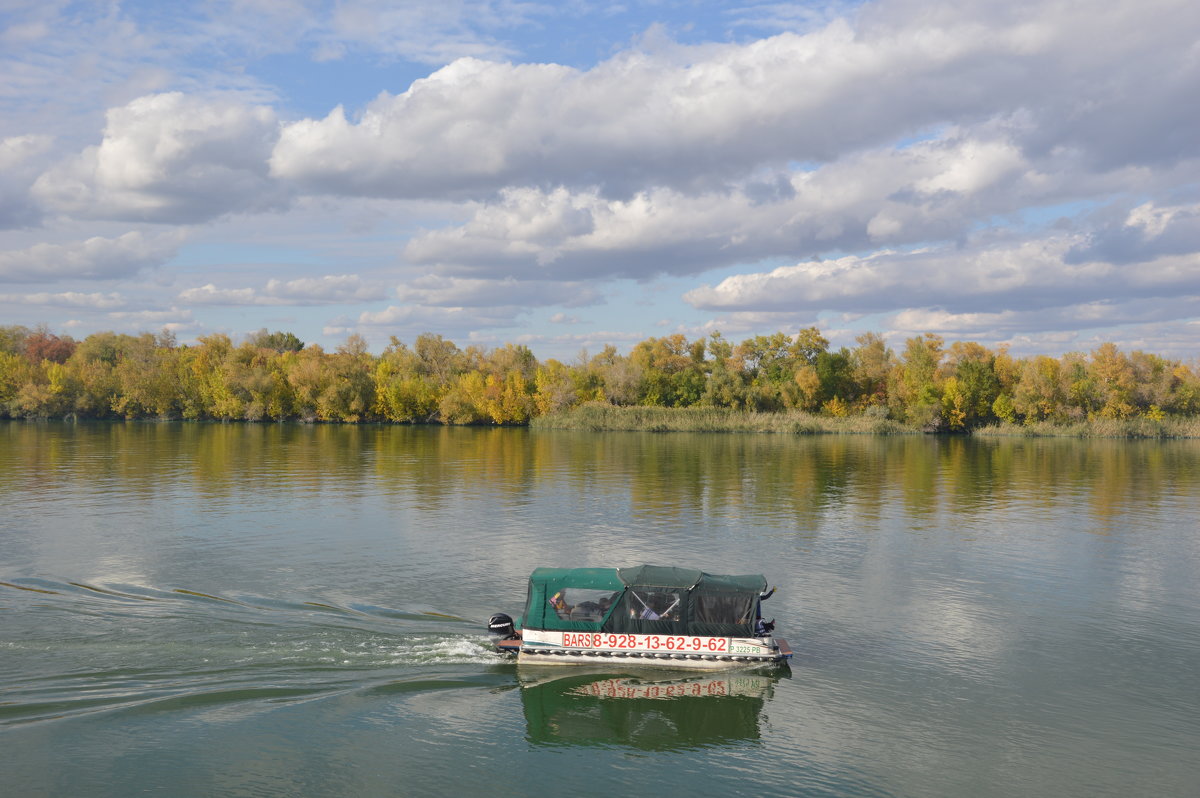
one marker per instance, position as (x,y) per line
(1185,397)
(277,341)
(1004,409)
(835,372)
(917,394)
(726,384)
(673,371)
(1079,386)
(970,387)
(780,370)
(12,339)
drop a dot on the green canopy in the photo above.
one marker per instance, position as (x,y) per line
(579,577)
(688,578)
(644,599)
(575,587)
(660,576)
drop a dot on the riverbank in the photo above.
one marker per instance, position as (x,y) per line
(1140,427)
(599,417)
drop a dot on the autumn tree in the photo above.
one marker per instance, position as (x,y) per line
(872,362)
(1039,394)
(94,363)
(347,389)
(145,376)
(15,372)
(465,401)
(404,390)
(1115,380)
(726,384)
(554,388)
(41,344)
(619,376)
(440,360)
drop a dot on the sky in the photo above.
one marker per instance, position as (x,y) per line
(570,175)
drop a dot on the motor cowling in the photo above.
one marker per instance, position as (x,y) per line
(501,626)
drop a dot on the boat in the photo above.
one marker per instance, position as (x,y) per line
(655,615)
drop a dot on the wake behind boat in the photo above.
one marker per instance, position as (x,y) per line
(652,614)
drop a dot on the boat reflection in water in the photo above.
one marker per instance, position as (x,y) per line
(652,710)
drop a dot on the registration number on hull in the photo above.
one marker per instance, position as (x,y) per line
(706,645)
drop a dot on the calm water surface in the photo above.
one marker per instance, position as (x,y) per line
(198,610)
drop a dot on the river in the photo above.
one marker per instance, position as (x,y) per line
(298,610)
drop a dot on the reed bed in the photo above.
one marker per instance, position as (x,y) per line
(600,417)
(1140,427)
(604,417)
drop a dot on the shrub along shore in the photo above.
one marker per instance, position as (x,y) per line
(600,417)
(780,383)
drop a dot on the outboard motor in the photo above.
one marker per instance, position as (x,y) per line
(501,626)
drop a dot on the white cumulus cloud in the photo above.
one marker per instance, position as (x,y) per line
(67,299)
(464,292)
(94,259)
(21,160)
(686,117)
(169,158)
(329,289)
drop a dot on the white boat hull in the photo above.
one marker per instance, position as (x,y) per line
(669,651)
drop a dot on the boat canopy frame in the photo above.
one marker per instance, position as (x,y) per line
(644,599)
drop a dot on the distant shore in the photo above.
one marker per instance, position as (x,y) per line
(783,384)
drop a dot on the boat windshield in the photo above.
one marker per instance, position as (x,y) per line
(653,604)
(582,604)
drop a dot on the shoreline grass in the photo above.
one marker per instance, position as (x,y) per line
(599,417)
(1140,427)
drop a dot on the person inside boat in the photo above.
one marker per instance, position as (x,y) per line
(763,628)
(560,605)
(592,610)
(655,606)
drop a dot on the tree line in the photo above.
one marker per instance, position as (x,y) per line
(274,376)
